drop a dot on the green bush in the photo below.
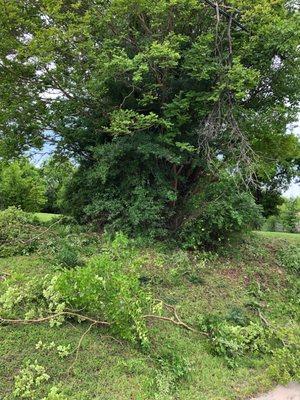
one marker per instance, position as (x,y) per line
(107,288)
(68,255)
(18,232)
(289,258)
(233,341)
(21,185)
(285,365)
(217,213)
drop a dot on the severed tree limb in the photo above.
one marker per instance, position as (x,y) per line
(79,345)
(180,323)
(52,316)
(176,320)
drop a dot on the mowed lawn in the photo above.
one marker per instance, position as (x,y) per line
(293,238)
(46,217)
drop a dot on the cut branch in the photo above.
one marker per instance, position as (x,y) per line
(51,317)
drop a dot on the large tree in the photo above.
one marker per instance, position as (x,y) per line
(152,99)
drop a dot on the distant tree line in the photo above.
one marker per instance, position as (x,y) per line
(287,217)
(24,185)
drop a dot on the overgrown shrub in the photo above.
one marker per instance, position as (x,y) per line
(30,378)
(218,212)
(108,288)
(233,341)
(18,232)
(289,258)
(68,255)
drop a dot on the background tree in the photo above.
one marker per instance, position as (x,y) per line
(290,214)
(57,172)
(21,185)
(153,100)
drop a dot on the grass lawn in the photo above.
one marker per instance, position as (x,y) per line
(107,368)
(46,217)
(290,237)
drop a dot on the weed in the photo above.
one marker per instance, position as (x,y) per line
(29,379)
(289,258)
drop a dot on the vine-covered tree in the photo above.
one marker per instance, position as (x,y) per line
(156,101)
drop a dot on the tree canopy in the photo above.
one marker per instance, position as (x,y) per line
(152,99)
(56,172)
(21,185)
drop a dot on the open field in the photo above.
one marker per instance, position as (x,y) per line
(179,364)
(46,217)
(290,237)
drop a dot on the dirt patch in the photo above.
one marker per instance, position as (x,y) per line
(231,273)
(290,392)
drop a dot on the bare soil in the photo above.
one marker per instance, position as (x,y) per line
(290,392)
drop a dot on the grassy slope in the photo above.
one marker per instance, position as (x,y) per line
(109,369)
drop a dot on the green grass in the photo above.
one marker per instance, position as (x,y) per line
(46,217)
(290,237)
(109,369)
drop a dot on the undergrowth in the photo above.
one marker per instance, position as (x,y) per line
(133,293)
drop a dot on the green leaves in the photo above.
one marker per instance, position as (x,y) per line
(126,122)
(21,185)
(153,85)
(108,287)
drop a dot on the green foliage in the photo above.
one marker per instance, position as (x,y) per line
(56,173)
(21,185)
(170,360)
(172,369)
(289,215)
(107,288)
(67,255)
(233,341)
(236,337)
(217,213)
(29,379)
(289,258)
(286,365)
(55,394)
(17,232)
(149,99)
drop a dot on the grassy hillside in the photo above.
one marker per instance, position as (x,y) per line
(245,289)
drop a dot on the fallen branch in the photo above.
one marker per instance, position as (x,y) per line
(176,320)
(79,345)
(52,316)
(263,319)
